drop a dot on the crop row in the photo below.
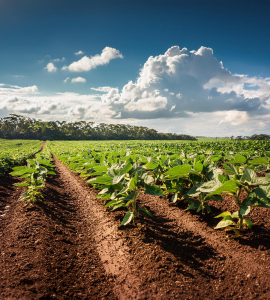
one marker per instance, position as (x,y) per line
(15,152)
(198,172)
(34,174)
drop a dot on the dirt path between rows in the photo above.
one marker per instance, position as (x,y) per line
(111,248)
(47,251)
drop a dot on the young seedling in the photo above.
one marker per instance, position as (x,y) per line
(122,185)
(257,194)
(35,174)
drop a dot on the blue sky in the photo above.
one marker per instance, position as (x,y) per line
(144,76)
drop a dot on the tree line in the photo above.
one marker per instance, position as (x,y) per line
(19,127)
(258,137)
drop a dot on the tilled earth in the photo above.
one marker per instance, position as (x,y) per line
(70,247)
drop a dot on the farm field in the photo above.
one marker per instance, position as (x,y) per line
(135,219)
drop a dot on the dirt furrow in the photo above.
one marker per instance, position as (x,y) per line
(248,262)
(111,248)
(48,253)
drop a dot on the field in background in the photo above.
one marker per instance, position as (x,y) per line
(213,139)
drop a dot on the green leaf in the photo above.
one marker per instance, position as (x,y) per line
(127,218)
(23,171)
(153,190)
(224,214)
(101,168)
(224,223)
(244,210)
(261,168)
(32,162)
(22,184)
(230,169)
(102,180)
(152,165)
(51,173)
(258,161)
(118,178)
(248,223)
(263,191)
(46,163)
(126,169)
(147,178)
(19,168)
(223,178)
(114,207)
(238,159)
(209,186)
(199,208)
(215,158)
(179,171)
(193,204)
(133,182)
(228,187)
(250,177)
(198,167)
(235,214)
(193,192)
(146,211)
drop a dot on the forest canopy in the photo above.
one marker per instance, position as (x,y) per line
(19,127)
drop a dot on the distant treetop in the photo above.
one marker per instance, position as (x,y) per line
(19,127)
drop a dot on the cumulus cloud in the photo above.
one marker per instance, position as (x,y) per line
(191,88)
(104,89)
(50,67)
(180,82)
(88,63)
(78,79)
(24,106)
(79,53)
(66,80)
(7,90)
(235,117)
(27,101)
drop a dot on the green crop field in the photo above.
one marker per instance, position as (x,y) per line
(122,170)
(15,152)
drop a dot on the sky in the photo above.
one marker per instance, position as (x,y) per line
(188,67)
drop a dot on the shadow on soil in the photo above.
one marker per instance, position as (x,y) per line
(189,249)
(57,205)
(258,237)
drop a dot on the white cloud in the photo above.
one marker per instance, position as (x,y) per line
(235,117)
(58,59)
(86,63)
(191,82)
(78,79)
(79,53)
(50,67)
(104,89)
(179,91)
(11,90)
